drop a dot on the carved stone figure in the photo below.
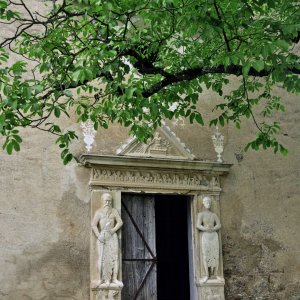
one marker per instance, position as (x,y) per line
(208,222)
(157,146)
(105,224)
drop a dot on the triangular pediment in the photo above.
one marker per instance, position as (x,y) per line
(165,144)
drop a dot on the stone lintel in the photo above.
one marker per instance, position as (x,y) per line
(154,174)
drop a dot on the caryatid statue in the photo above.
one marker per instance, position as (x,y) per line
(209,223)
(106,223)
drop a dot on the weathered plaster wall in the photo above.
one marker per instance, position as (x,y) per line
(44,235)
(45,213)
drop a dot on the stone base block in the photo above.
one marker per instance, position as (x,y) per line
(109,293)
(212,289)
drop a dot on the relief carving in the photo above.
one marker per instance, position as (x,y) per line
(158,146)
(105,224)
(208,223)
(192,180)
(204,181)
(164,144)
(215,181)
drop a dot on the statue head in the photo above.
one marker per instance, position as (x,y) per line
(206,202)
(107,198)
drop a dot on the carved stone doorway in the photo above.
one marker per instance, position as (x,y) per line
(155,250)
(165,166)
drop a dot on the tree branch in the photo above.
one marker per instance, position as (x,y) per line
(190,74)
(223,30)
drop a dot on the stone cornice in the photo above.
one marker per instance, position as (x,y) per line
(159,164)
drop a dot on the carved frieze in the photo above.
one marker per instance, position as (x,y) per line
(132,178)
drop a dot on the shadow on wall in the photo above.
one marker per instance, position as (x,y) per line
(250,269)
(62,272)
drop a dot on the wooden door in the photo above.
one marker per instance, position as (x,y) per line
(138,247)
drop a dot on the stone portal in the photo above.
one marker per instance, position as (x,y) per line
(163,167)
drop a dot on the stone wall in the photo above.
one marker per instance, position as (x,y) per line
(45,212)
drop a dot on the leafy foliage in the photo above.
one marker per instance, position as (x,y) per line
(139,62)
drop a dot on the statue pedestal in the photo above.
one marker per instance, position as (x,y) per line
(106,293)
(212,289)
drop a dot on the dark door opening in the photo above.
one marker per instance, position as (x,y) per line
(155,247)
(172,247)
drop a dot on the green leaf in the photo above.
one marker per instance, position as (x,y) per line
(67,93)
(221,120)
(64,153)
(17,138)
(56,111)
(129,92)
(284,45)
(88,74)
(247,146)
(3,4)
(16,145)
(9,148)
(37,88)
(67,158)
(27,92)
(283,150)
(246,68)
(76,75)
(258,65)
(199,119)
(192,117)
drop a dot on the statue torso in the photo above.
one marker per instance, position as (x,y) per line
(208,219)
(107,219)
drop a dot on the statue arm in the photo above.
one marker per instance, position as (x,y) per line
(199,222)
(119,222)
(95,224)
(218,223)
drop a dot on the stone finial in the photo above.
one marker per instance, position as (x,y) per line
(218,141)
(88,134)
